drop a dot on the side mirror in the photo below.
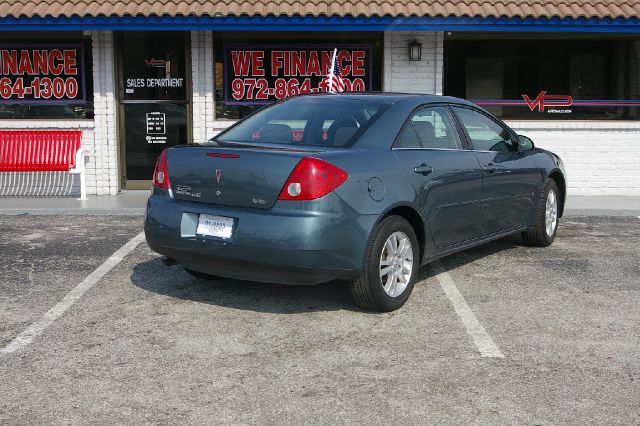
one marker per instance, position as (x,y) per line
(524,143)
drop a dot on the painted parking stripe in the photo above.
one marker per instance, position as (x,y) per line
(35,329)
(481,338)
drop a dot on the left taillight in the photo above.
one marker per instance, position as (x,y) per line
(312,178)
(161,172)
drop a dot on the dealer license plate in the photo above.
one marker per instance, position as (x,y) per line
(215,226)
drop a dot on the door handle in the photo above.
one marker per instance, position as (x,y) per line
(423,169)
(490,168)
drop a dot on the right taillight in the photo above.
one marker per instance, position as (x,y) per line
(312,178)
(161,172)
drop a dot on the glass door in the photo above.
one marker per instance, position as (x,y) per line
(154,100)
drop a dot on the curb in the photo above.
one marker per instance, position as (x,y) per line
(73,212)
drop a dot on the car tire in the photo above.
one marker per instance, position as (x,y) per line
(200,275)
(387,279)
(545,222)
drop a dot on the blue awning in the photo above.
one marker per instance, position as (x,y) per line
(321,23)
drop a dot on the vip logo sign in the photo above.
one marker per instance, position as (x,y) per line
(543,100)
(155,63)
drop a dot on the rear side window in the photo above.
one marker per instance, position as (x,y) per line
(485,134)
(429,127)
(334,121)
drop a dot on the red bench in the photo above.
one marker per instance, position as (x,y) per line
(43,151)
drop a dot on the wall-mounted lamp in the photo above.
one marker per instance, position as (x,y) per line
(415,51)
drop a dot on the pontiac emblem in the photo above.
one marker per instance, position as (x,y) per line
(218,175)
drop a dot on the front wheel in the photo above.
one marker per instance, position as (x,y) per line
(391,265)
(545,222)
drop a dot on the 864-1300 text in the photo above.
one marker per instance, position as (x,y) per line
(39,88)
(258,88)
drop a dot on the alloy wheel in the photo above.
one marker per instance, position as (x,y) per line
(551,213)
(396,264)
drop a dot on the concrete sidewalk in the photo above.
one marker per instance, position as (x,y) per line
(133,203)
(126,203)
(612,205)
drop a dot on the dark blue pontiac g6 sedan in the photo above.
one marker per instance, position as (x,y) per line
(360,187)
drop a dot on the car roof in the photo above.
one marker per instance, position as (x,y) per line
(394,98)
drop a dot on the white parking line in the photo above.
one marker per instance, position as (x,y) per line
(481,338)
(35,329)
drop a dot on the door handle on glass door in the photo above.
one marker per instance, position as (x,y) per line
(423,169)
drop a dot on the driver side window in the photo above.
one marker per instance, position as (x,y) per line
(485,134)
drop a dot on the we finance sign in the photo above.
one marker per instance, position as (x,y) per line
(42,73)
(260,74)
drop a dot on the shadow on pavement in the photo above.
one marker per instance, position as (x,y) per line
(173,281)
(468,256)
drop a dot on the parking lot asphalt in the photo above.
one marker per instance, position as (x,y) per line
(148,343)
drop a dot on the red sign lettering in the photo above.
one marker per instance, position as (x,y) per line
(155,63)
(261,74)
(543,100)
(257,64)
(313,67)
(357,63)
(298,63)
(41,74)
(55,59)
(241,62)
(9,62)
(276,61)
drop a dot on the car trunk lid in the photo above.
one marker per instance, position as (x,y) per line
(238,176)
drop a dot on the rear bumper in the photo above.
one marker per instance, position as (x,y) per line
(289,244)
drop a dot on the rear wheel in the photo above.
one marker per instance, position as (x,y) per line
(545,223)
(391,265)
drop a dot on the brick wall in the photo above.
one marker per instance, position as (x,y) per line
(402,75)
(203,85)
(102,170)
(601,157)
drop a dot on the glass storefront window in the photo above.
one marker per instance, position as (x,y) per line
(154,66)
(256,69)
(46,78)
(562,78)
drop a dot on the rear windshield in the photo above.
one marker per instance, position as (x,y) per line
(332,121)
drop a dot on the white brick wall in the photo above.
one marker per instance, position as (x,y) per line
(601,157)
(203,85)
(98,135)
(102,171)
(402,75)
